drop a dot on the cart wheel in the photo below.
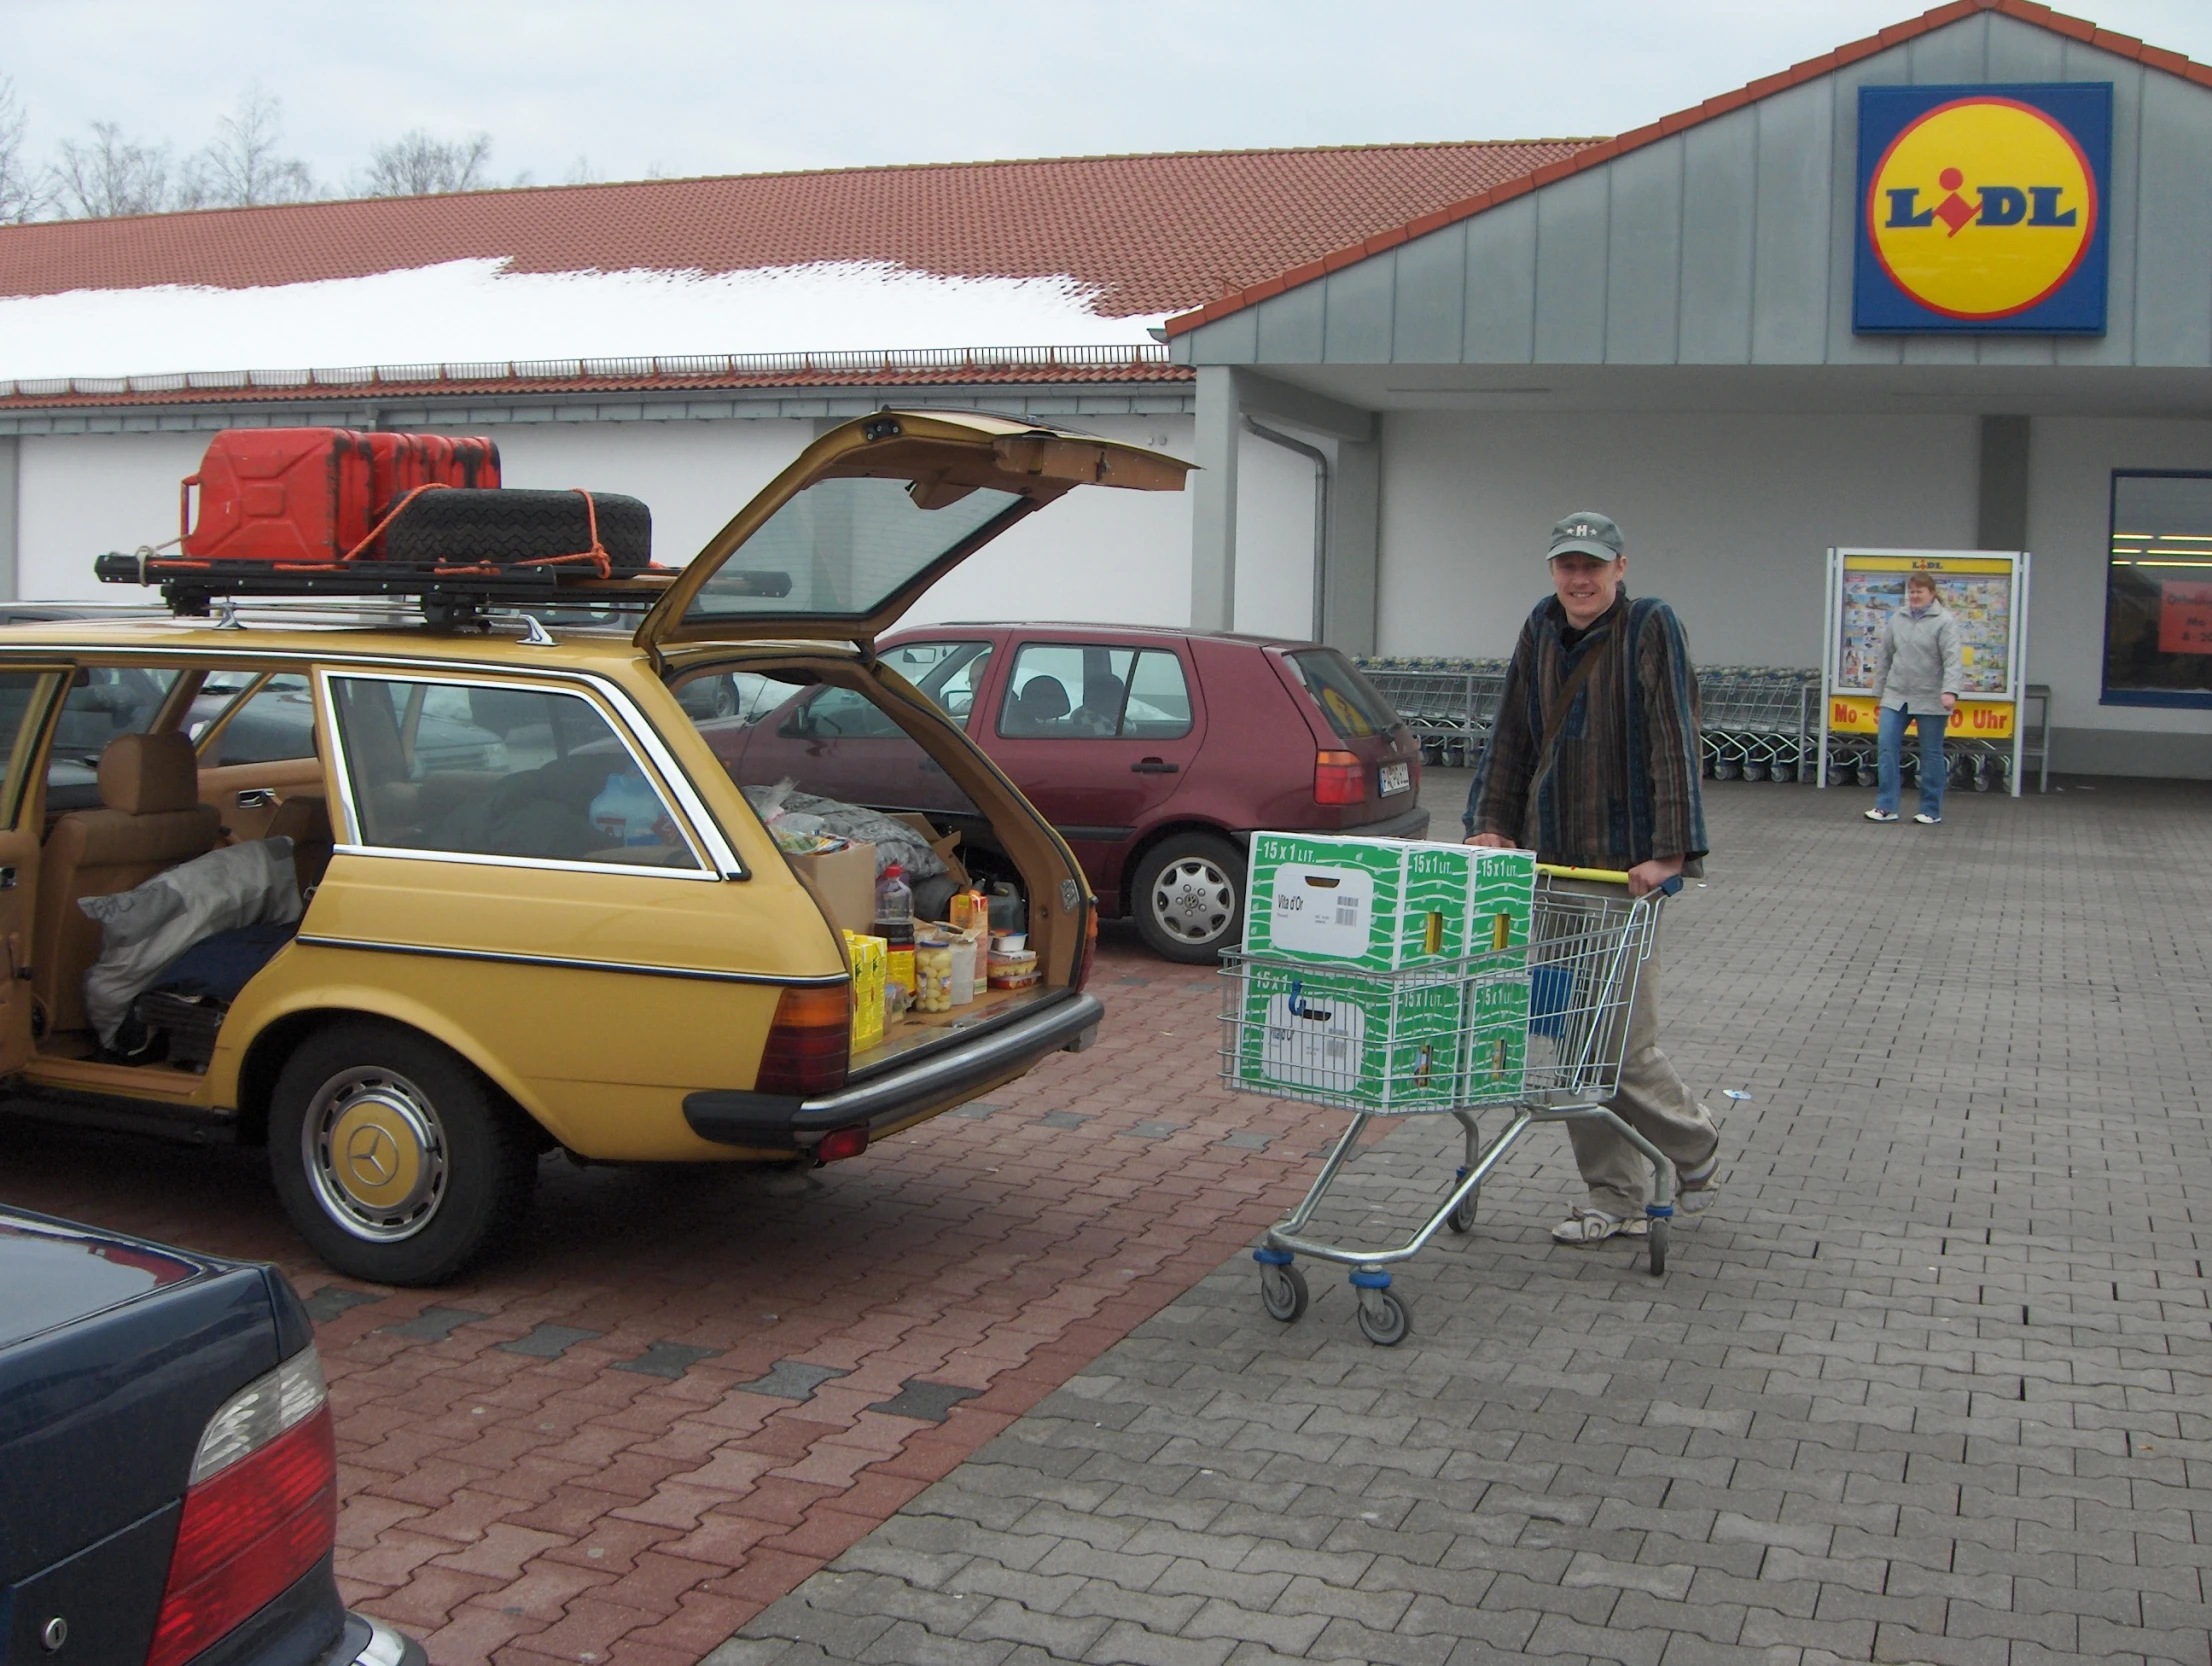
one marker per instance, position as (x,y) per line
(1283,1293)
(1383,1318)
(1658,1241)
(1462,1219)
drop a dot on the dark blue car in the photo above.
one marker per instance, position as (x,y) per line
(168,1486)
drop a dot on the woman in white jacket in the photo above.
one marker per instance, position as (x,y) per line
(1919,674)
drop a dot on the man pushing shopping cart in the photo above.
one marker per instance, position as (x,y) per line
(1394,979)
(1594,764)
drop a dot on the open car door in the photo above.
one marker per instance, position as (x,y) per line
(28,695)
(876,511)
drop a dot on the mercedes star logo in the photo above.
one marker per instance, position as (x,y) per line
(372,1154)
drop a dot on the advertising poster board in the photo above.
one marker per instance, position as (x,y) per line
(1986,591)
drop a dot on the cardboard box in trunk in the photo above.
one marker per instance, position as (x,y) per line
(844,883)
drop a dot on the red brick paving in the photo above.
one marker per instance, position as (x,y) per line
(527,1511)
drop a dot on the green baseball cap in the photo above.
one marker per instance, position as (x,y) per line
(1586,532)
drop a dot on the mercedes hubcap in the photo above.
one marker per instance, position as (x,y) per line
(1193,901)
(376,1154)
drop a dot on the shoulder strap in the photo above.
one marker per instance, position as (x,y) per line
(1567,692)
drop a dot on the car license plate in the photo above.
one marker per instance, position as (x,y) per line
(1396,778)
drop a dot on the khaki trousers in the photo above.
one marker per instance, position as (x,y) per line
(1653,1100)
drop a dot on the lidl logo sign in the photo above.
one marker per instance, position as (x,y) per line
(1982,209)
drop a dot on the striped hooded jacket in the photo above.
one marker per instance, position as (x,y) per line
(1622,784)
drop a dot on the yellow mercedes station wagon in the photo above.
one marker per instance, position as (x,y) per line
(530,906)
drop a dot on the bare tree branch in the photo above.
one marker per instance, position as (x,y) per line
(109,175)
(25,192)
(416,165)
(242,165)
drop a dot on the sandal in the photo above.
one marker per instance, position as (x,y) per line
(1587,1226)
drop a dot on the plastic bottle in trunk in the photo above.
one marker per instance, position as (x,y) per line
(895,925)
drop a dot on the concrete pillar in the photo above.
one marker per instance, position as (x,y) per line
(11,463)
(1354,544)
(2002,523)
(1213,553)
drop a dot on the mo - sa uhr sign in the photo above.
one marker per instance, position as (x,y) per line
(1982,209)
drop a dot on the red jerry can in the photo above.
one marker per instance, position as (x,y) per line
(311,495)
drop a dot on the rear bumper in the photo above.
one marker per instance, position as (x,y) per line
(902,1094)
(1407,824)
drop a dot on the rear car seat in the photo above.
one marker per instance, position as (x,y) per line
(152,820)
(304,818)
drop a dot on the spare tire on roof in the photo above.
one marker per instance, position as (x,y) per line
(508,526)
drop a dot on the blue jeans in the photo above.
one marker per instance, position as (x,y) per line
(1891,747)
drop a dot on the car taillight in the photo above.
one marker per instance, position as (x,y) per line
(840,1143)
(261,1509)
(810,1044)
(1339,778)
(1090,947)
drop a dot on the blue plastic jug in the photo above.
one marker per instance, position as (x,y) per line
(627,812)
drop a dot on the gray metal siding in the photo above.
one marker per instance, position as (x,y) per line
(1500,301)
(1731,242)
(1714,242)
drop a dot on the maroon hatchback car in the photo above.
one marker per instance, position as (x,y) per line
(1156,753)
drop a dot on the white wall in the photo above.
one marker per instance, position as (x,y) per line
(1097,556)
(1727,517)
(2070,464)
(84,495)
(1274,540)
(693,475)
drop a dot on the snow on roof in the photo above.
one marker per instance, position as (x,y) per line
(472,310)
(1078,252)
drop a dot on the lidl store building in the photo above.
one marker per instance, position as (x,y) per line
(1949,288)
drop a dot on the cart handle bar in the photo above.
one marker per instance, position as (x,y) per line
(1604,876)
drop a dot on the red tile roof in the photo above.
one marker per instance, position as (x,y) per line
(1353,250)
(1153,233)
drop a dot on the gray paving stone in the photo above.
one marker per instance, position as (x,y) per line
(333,1299)
(793,1379)
(433,1324)
(1970,1172)
(549,1341)
(666,1359)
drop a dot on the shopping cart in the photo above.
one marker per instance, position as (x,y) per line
(1544,1040)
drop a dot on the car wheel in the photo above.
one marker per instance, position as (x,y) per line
(1189,897)
(396,1161)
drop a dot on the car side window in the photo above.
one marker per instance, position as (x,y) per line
(528,773)
(275,723)
(1087,691)
(950,673)
(106,701)
(838,714)
(1159,698)
(23,706)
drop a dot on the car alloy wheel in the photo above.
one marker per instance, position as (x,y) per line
(375,1152)
(1187,896)
(1193,901)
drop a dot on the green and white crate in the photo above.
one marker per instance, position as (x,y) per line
(1386,905)
(1387,1044)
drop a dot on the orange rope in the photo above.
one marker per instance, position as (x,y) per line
(390,515)
(596,553)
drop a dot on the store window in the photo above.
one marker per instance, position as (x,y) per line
(2158,591)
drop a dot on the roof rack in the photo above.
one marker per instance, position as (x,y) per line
(447,599)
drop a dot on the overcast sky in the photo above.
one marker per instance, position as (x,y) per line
(693,86)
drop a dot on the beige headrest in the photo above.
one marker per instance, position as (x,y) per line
(143,775)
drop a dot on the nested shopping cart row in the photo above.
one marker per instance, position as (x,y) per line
(1758,723)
